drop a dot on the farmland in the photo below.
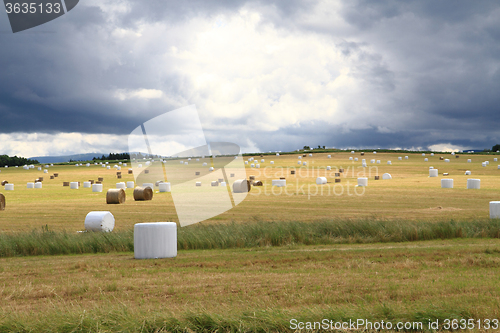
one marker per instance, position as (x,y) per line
(398,250)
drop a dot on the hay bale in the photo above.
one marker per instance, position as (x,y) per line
(146,171)
(337,180)
(198,184)
(4,182)
(91,181)
(362,181)
(257,183)
(215,183)
(446,174)
(101,179)
(98,182)
(197,173)
(74,185)
(121,185)
(473,184)
(116,196)
(2,202)
(119,176)
(494,209)
(9,187)
(433,172)
(96,187)
(118,173)
(292,172)
(386,176)
(143,193)
(377,177)
(130,171)
(251,177)
(362,153)
(321,180)
(441,158)
(304,155)
(155,240)
(341,170)
(447,183)
(56,175)
(51,177)
(457,156)
(65,183)
(337,174)
(241,186)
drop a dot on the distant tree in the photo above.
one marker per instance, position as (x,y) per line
(15,161)
(323,147)
(307,147)
(496,147)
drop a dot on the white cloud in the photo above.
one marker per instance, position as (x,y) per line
(448,147)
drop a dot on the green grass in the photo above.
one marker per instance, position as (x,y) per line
(250,235)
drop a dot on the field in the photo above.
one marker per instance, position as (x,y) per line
(348,253)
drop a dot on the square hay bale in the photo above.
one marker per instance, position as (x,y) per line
(282,178)
(91,181)
(341,170)
(362,153)
(101,179)
(146,171)
(292,172)
(457,156)
(98,182)
(51,177)
(338,180)
(337,174)
(251,178)
(377,177)
(446,174)
(41,179)
(197,173)
(119,176)
(56,175)
(441,158)
(130,171)
(65,183)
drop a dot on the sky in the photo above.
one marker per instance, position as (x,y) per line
(266,75)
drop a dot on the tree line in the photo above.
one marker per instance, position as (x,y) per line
(113,157)
(15,161)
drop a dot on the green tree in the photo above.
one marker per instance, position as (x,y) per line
(495,148)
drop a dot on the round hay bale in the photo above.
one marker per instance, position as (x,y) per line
(257,183)
(2,202)
(241,186)
(99,221)
(115,196)
(321,180)
(155,240)
(143,193)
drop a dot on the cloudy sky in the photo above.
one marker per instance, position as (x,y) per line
(266,75)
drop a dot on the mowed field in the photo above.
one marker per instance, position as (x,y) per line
(410,194)
(261,288)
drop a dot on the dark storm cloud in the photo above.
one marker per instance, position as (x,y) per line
(427,72)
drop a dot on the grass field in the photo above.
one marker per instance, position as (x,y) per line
(410,195)
(282,254)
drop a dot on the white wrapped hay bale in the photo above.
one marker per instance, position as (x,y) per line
(39,168)
(99,222)
(432,154)
(214,183)
(150,185)
(30,185)
(155,240)
(198,184)
(406,157)
(431,167)
(329,156)
(108,167)
(363,164)
(300,157)
(487,162)
(483,164)
(277,154)
(246,162)
(363,181)
(447,160)
(474,184)
(299,162)
(74,185)
(304,163)
(119,185)
(328,168)
(386,176)
(400,158)
(278,182)
(45,171)
(494,209)
(96,187)
(164,187)
(212,168)
(423,154)
(87,184)
(426,159)
(241,186)
(223,184)
(389,163)
(262,161)
(321,180)
(257,166)
(468,173)
(378,161)
(272,162)
(453,153)
(350,158)
(433,172)
(38,185)
(495,159)
(9,187)
(130,184)
(469,161)
(447,183)
(374,152)
(355,159)
(310,155)
(372,161)
(498,167)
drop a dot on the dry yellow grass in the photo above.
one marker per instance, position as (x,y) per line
(411,194)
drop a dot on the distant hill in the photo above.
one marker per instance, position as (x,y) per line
(61,159)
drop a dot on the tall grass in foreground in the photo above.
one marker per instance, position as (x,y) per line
(268,320)
(252,234)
